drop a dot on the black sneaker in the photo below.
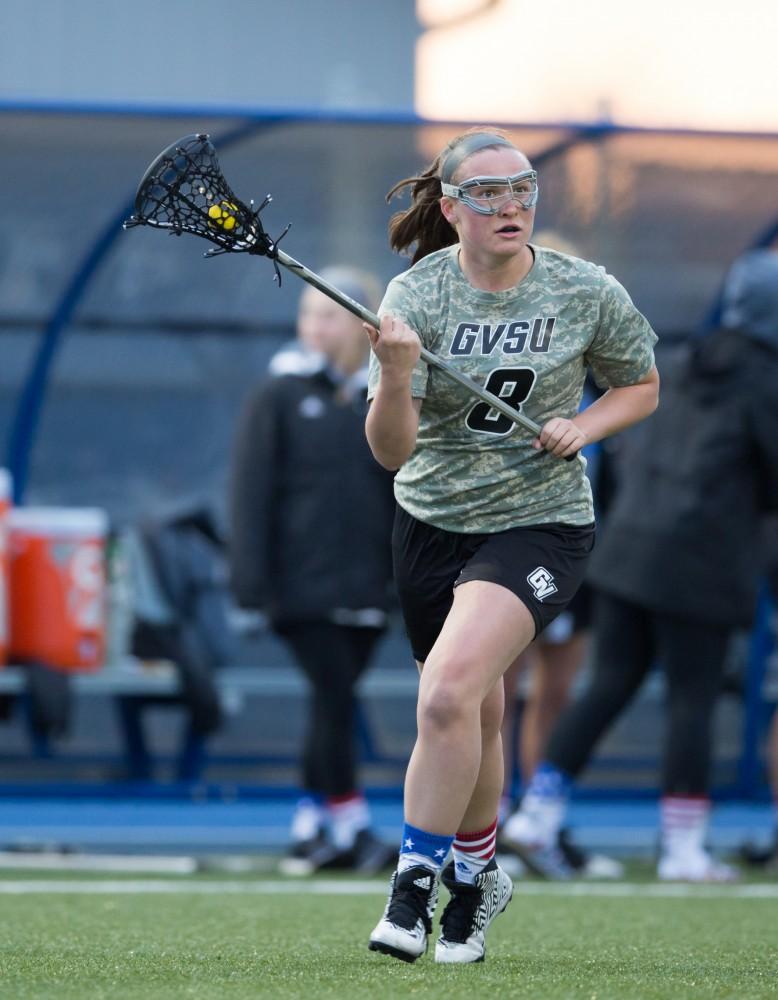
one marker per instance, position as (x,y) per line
(761,857)
(406,923)
(591,866)
(305,856)
(367,855)
(372,855)
(469,912)
(574,854)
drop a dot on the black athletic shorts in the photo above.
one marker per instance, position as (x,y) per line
(543,565)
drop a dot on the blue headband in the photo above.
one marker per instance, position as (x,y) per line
(468,146)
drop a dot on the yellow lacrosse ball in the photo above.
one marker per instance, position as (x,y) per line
(222,215)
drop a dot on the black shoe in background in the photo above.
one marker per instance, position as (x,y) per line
(367,855)
(573,853)
(761,857)
(372,855)
(303,857)
(584,864)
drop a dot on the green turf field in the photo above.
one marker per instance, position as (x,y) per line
(79,938)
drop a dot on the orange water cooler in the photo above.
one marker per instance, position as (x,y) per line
(57,592)
(5,506)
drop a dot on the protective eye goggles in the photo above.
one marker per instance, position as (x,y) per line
(489,195)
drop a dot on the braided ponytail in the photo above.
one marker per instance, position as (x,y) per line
(422,229)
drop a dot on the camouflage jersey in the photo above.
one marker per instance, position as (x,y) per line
(472,469)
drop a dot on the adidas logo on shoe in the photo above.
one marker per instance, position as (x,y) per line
(404,928)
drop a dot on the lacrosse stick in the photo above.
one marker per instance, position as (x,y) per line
(184,191)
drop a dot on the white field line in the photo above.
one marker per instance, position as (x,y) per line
(332,887)
(116,863)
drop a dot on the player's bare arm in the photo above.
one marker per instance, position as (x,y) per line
(393,420)
(614,411)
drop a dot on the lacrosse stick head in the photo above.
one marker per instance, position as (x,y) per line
(184,191)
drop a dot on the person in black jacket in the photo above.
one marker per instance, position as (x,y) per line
(676,572)
(311,520)
(754,855)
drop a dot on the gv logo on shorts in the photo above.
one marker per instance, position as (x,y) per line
(542,583)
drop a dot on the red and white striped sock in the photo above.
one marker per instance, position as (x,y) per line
(684,824)
(473,852)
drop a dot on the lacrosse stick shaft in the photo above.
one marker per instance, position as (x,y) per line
(183,190)
(431,359)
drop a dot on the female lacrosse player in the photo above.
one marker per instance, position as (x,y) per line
(492,528)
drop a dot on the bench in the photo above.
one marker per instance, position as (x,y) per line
(137,686)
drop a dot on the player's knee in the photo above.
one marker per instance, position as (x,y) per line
(443,707)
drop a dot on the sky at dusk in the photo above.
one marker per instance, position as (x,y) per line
(678,63)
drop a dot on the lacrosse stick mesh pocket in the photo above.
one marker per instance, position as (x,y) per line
(184,191)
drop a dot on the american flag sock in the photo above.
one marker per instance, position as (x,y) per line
(473,852)
(420,847)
